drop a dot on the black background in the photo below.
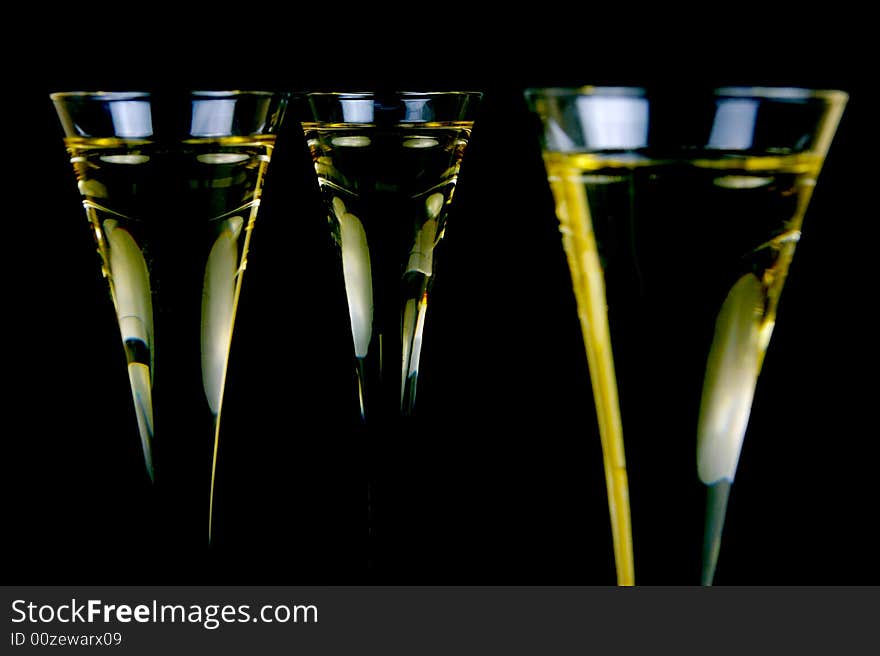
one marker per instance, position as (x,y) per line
(499,478)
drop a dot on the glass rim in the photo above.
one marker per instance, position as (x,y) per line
(365,95)
(135,95)
(756,92)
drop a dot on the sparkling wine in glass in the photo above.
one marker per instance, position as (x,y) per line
(387,165)
(171,185)
(679,212)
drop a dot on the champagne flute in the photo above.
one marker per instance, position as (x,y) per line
(679,212)
(171,185)
(387,165)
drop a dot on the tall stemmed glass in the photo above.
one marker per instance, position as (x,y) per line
(387,166)
(171,186)
(679,212)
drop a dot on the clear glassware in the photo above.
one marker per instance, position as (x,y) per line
(171,185)
(387,165)
(679,212)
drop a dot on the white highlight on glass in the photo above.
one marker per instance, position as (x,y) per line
(731,376)
(134,311)
(416,110)
(420,142)
(222,158)
(213,117)
(742,181)
(218,306)
(131,285)
(358,276)
(734,124)
(357,110)
(351,141)
(413,327)
(132,119)
(421,255)
(125,159)
(611,123)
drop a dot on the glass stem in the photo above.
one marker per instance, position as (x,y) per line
(716,510)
